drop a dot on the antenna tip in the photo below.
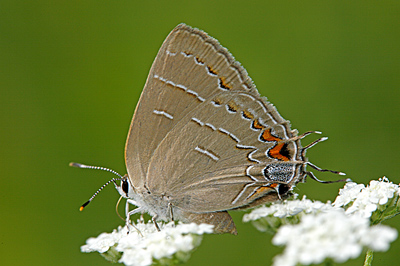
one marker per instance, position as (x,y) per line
(84,205)
(78,165)
(317,132)
(349,180)
(324,138)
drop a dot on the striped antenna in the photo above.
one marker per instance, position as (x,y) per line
(79,165)
(303,150)
(310,174)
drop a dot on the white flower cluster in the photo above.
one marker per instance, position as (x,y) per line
(147,245)
(287,208)
(268,219)
(314,231)
(362,200)
(330,234)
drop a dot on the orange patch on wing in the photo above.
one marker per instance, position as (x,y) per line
(257,125)
(232,107)
(275,152)
(247,114)
(260,191)
(224,84)
(217,101)
(267,136)
(212,70)
(199,60)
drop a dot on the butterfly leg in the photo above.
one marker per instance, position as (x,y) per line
(154,218)
(171,213)
(129,213)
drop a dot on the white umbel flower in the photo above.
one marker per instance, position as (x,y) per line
(144,247)
(268,219)
(347,194)
(287,208)
(332,235)
(103,242)
(313,232)
(365,200)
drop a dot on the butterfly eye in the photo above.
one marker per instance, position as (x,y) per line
(125,186)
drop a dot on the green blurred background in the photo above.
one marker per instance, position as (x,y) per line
(71,73)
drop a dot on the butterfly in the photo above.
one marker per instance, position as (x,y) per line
(203,141)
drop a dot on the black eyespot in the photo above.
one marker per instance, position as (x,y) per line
(285,152)
(125,186)
(283,189)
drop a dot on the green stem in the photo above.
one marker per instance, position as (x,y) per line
(369,257)
(329,262)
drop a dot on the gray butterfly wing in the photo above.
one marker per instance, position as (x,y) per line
(153,119)
(201,134)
